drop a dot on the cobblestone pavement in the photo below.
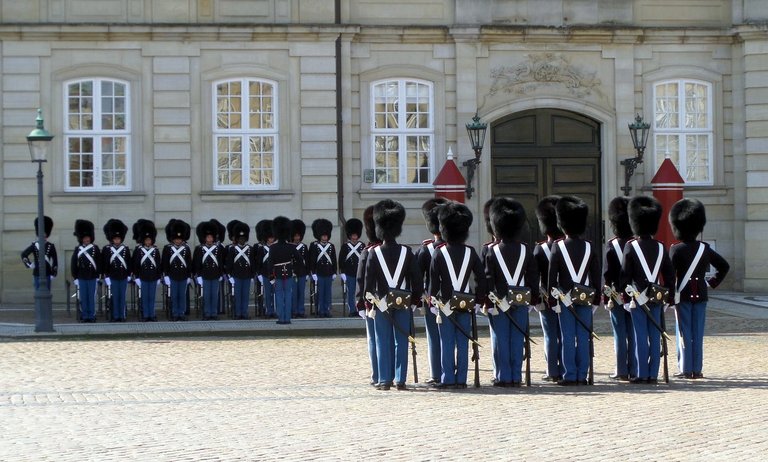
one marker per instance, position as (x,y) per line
(308,398)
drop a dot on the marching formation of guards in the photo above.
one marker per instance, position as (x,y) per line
(565,278)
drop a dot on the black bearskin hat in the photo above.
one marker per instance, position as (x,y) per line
(298,227)
(264,230)
(508,218)
(177,229)
(205,228)
(547,217)
(455,220)
(240,229)
(281,227)
(231,228)
(644,215)
(143,229)
(370,225)
(572,215)
(321,227)
(429,210)
(619,217)
(687,217)
(353,226)
(221,230)
(115,228)
(84,228)
(388,216)
(47,224)
(487,215)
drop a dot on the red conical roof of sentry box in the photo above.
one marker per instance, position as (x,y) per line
(667,174)
(450,183)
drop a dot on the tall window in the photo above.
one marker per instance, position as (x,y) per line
(402,132)
(245,134)
(683,128)
(97,135)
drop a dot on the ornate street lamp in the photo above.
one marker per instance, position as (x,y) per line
(39,141)
(476,131)
(639,132)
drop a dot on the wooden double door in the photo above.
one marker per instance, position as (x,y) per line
(541,152)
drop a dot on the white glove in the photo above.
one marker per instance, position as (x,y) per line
(628,307)
(478,308)
(361,313)
(594,308)
(314,277)
(232,280)
(539,307)
(189,281)
(333,277)
(260,278)
(434,310)
(344,277)
(29,264)
(414,308)
(272,281)
(76,282)
(493,311)
(167,280)
(108,281)
(199,280)
(557,308)
(128,279)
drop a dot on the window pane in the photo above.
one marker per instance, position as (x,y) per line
(697,151)
(666,106)
(386,155)
(667,145)
(418,159)
(696,104)
(228,105)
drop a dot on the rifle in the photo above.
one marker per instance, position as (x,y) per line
(528,356)
(68,286)
(475,352)
(566,300)
(312,296)
(638,298)
(344,307)
(413,349)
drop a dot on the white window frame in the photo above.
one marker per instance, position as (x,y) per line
(97,133)
(245,132)
(681,132)
(402,132)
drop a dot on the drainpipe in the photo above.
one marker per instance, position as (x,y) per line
(339,128)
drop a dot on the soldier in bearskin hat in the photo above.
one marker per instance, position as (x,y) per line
(510,269)
(391,268)
(349,257)
(486,247)
(51,257)
(646,266)
(177,266)
(208,267)
(147,266)
(86,268)
(364,307)
(621,320)
(691,259)
(241,267)
(266,238)
(116,266)
(322,264)
(575,271)
(453,265)
(298,229)
(284,260)
(550,323)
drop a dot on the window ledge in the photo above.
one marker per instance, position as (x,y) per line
(387,193)
(247,196)
(101,197)
(701,191)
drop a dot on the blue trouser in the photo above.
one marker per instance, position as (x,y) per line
(623,341)
(148,294)
(269,297)
(242,289)
(575,341)
(494,347)
(351,285)
(284,298)
(690,336)
(210,298)
(324,295)
(87,299)
(297,307)
(647,341)
(510,343)
(118,288)
(178,298)
(454,348)
(433,345)
(36,282)
(370,331)
(385,348)
(550,326)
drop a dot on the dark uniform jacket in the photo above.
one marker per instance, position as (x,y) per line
(349,257)
(284,261)
(361,302)
(612,266)
(177,266)
(542,253)
(440,284)
(682,255)
(51,259)
(147,265)
(632,270)
(376,281)
(208,261)
(510,252)
(240,262)
(322,264)
(116,261)
(303,252)
(261,264)
(424,259)
(560,277)
(86,262)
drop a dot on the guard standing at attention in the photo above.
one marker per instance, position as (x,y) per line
(349,258)
(51,258)
(177,266)
(116,266)
(86,268)
(282,263)
(146,267)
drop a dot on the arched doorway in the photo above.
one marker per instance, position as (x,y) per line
(539,152)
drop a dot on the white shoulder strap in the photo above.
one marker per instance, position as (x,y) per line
(511,280)
(547,251)
(619,252)
(691,268)
(576,277)
(392,278)
(456,280)
(651,276)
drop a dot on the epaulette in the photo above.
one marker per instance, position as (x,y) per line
(426,242)
(440,245)
(490,243)
(372,245)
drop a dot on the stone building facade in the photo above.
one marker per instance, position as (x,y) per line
(199,109)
